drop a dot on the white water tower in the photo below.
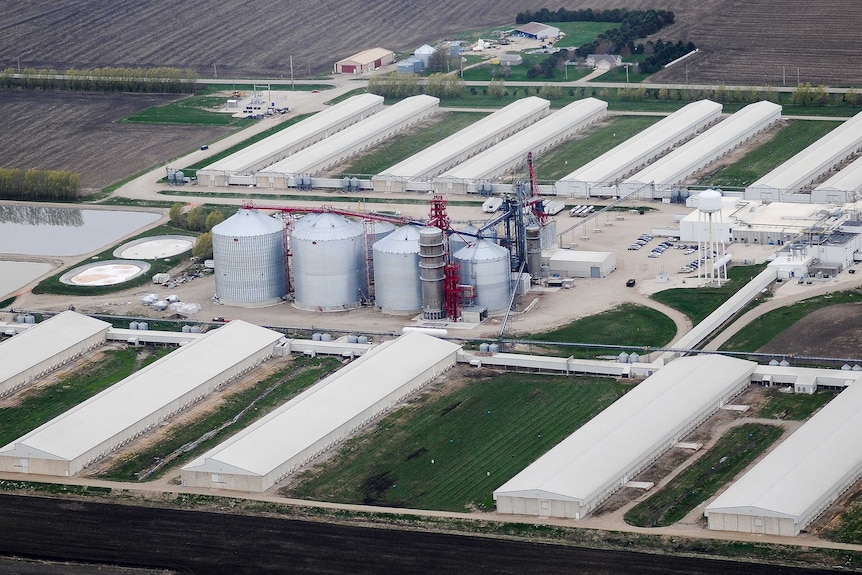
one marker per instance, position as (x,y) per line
(710,244)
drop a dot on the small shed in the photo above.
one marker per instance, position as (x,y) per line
(580,264)
(411,65)
(511,60)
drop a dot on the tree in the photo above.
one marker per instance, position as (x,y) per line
(214,219)
(196,219)
(851,96)
(438,61)
(496,88)
(551,92)
(203,246)
(176,214)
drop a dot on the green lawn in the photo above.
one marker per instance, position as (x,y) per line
(403,146)
(618,75)
(192,110)
(519,73)
(730,455)
(571,155)
(40,405)
(769,325)
(246,406)
(795,406)
(793,138)
(697,303)
(626,325)
(450,452)
(848,527)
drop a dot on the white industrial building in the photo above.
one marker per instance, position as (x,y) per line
(844,187)
(575,476)
(105,422)
(810,164)
(700,152)
(511,153)
(315,420)
(348,142)
(579,263)
(46,346)
(238,168)
(597,178)
(801,477)
(365,61)
(536,30)
(414,173)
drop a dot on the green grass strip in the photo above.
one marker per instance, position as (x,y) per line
(449,452)
(275,389)
(697,303)
(794,406)
(729,456)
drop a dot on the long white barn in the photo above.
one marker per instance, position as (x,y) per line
(801,477)
(349,142)
(309,424)
(809,164)
(670,170)
(290,140)
(597,177)
(548,132)
(413,173)
(102,424)
(844,187)
(46,346)
(583,470)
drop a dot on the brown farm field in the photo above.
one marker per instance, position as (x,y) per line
(741,42)
(80,133)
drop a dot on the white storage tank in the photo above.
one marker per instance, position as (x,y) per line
(485,265)
(328,263)
(249,257)
(397,287)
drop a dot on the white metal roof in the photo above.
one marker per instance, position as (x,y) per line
(580,256)
(293,135)
(248,223)
(322,409)
(45,340)
(561,124)
(644,145)
(425,162)
(308,159)
(848,179)
(596,455)
(805,469)
(805,166)
(367,56)
(143,393)
(696,153)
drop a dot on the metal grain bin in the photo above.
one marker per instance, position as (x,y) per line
(248,251)
(397,287)
(485,265)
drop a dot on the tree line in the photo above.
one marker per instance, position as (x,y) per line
(143,80)
(39,185)
(628,18)
(198,219)
(394,85)
(664,53)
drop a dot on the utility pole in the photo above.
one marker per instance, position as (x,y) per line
(215,71)
(291,71)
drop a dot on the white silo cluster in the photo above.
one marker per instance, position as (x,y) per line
(329,265)
(249,256)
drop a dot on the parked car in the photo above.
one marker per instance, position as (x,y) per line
(630,282)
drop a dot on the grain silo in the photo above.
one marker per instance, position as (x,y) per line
(463,237)
(248,252)
(485,265)
(397,287)
(432,260)
(329,271)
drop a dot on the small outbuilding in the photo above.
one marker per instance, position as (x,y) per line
(580,264)
(604,61)
(511,60)
(365,61)
(537,31)
(424,53)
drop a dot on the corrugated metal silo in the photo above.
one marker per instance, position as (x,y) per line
(397,286)
(463,237)
(486,266)
(328,263)
(432,260)
(248,251)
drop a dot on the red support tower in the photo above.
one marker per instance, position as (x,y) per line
(535,196)
(451,291)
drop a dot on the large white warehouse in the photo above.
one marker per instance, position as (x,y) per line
(288,141)
(811,163)
(574,477)
(801,477)
(312,422)
(512,152)
(413,173)
(102,424)
(842,188)
(46,346)
(350,141)
(597,177)
(703,150)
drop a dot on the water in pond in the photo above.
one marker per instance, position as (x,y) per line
(50,231)
(15,275)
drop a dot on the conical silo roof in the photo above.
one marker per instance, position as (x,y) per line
(326,227)
(247,223)
(404,240)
